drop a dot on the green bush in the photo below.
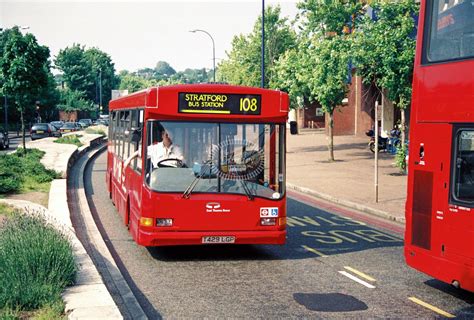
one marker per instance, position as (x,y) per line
(9,314)
(400,158)
(70,139)
(20,166)
(11,175)
(36,263)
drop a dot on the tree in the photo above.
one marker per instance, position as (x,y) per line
(25,72)
(328,81)
(103,73)
(73,100)
(384,51)
(49,99)
(133,83)
(243,66)
(319,69)
(86,70)
(75,68)
(163,70)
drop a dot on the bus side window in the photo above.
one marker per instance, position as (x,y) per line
(464,170)
(112,129)
(125,126)
(137,125)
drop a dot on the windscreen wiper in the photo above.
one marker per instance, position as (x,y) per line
(247,190)
(198,177)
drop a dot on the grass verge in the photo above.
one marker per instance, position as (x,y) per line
(92,130)
(36,264)
(70,139)
(8,211)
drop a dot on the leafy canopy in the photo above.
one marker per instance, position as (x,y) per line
(384,48)
(243,66)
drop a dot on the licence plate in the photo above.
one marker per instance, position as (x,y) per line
(39,131)
(67,130)
(218,239)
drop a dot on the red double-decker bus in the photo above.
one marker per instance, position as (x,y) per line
(199,164)
(439,239)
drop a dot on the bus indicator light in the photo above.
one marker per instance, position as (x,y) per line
(146,222)
(282,221)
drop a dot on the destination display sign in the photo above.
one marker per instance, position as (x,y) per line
(219,103)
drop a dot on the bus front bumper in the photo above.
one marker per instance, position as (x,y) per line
(153,239)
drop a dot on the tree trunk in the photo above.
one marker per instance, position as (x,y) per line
(403,126)
(331,138)
(23,130)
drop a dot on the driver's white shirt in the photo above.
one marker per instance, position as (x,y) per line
(158,152)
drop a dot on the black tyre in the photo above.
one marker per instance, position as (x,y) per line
(372,146)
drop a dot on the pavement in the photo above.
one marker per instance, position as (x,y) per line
(349,180)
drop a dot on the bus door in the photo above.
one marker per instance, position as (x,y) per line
(460,227)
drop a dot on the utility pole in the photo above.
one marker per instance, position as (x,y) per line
(376,148)
(6,113)
(100,92)
(262,84)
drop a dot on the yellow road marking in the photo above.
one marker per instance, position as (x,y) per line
(314,251)
(432,308)
(360,274)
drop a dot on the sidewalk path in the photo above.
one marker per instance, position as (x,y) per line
(349,180)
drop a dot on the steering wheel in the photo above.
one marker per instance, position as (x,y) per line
(179,163)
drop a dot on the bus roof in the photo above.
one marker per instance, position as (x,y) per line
(208,101)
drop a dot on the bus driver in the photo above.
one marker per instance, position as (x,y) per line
(165,149)
(160,151)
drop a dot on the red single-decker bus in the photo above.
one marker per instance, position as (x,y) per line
(199,164)
(439,239)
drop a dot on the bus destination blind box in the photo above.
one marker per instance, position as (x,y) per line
(219,103)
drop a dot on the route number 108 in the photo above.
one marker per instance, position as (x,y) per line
(247,104)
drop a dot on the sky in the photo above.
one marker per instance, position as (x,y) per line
(139,34)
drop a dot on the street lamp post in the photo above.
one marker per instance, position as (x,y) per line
(213,50)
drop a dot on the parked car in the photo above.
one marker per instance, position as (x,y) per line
(81,125)
(86,122)
(43,130)
(69,127)
(104,122)
(4,142)
(57,124)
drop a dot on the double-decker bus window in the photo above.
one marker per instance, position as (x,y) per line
(449,30)
(215,158)
(463,178)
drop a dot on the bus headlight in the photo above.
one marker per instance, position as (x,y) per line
(164,222)
(268,221)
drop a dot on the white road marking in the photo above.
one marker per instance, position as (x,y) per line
(362,282)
